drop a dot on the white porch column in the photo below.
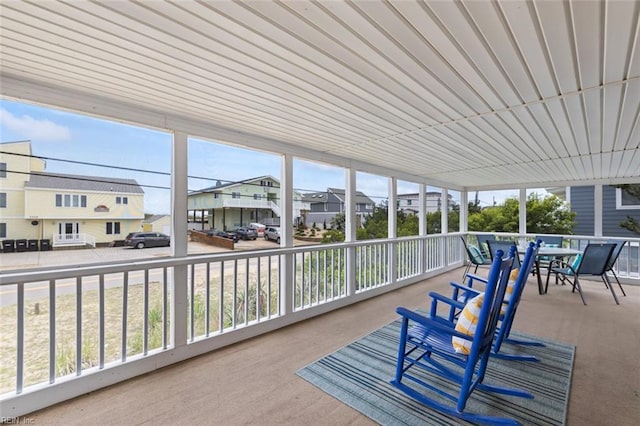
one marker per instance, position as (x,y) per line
(422,209)
(597,210)
(179,236)
(464,211)
(392,229)
(422,225)
(523,214)
(350,229)
(444,211)
(392,226)
(286,234)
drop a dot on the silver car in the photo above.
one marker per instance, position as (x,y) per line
(272,234)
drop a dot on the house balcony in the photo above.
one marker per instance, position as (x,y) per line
(245,203)
(115,322)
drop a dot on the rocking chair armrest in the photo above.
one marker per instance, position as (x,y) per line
(455,306)
(457,287)
(431,324)
(473,278)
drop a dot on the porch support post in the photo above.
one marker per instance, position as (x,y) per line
(444,211)
(179,248)
(350,230)
(422,225)
(392,232)
(522,229)
(464,211)
(444,222)
(464,221)
(422,209)
(286,235)
(597,211)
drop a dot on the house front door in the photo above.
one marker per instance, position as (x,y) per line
(68,230)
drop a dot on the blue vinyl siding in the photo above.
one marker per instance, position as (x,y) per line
(582,204)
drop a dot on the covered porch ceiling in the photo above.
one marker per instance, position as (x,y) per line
(468,94)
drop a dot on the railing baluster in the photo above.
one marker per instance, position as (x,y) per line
(269,287)
(247,296)
(165,308)
(125,299)
(101,319)
(258,288)
(192,302)
(221,299)
(235,293)
(52,331)
(145,314)
(20,339)
(78,326)
(207,302)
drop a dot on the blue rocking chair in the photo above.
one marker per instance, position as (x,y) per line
(462,293)
(428,346)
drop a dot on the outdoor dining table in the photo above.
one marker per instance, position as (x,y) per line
(550,252)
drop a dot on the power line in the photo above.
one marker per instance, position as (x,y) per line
(205,190)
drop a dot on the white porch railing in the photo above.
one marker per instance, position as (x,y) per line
(73,240)
(111,322)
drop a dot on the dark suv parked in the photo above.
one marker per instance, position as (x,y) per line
(147,239)
(246,233)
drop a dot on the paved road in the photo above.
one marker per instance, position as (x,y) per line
(29,260)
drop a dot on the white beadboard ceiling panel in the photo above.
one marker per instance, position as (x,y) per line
(466,94)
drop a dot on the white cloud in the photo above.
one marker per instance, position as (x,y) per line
(33,129)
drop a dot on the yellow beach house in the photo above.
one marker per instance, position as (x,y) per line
(67,210)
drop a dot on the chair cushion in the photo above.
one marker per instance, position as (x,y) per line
(467,322)
(513,276)
(476,256)
(575,264)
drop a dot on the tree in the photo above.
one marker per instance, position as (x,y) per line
(548,215)
(337,222)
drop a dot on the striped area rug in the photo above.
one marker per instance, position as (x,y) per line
(359,375)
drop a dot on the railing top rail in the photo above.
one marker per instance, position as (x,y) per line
(71,271)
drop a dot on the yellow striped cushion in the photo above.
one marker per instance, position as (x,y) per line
(467,323)
(513,276)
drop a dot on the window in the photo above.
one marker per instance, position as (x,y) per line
(3,170)
(3,230)
(627,200)
(257,196)
(113,228)
(235,195)
(216,195)
(409,202)
(71,200)
(122,200)
(3,199)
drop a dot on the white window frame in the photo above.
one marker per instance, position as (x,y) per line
(619,205)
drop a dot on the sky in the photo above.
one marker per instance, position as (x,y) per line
(59,135)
